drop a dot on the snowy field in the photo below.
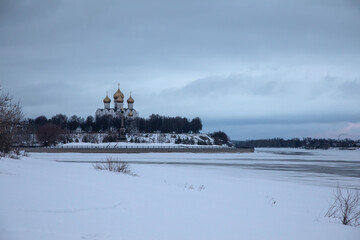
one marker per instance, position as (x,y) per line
(269,194)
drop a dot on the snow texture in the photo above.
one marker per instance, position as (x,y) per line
(144,139)
(269,194)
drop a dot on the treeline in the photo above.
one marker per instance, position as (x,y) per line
(63,122)
(155,123)
(308,143)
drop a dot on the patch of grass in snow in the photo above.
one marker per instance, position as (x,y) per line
(192,187)
(114,165)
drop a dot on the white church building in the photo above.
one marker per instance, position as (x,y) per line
(118,110)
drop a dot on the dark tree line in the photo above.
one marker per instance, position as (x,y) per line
(155,123)
(309,143)
(65,123)
(220,138)
(50,134)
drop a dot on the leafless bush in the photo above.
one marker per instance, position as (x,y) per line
(91,138)
(114,165)
(49,134)
(10,117)
(346,207)
(109,138)
(16,153)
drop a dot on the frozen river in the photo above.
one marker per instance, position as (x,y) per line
(327,167)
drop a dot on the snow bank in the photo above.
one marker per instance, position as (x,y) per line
(144,139)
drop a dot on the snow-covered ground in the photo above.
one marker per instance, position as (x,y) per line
(135,145)
(142,139)
(269,194)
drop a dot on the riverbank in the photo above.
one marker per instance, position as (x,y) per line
(140,149)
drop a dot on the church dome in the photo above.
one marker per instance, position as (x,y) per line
(107,99)
(120,99)
(130,100)
(131,114)
(118,93)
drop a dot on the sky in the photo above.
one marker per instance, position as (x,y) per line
(253,68)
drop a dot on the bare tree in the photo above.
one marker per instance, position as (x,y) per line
(346,207)
(49,134)
(10,116)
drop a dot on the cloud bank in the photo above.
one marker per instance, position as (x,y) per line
(235,64)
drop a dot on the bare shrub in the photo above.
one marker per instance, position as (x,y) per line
(109,138)
(10,117)
(91,138)
(346,207)
(114,165)
(16,153)
(49,134)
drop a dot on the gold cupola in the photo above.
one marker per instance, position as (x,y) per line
(131,114)
(118,93)
(120,99)
(107,99)
(130,99)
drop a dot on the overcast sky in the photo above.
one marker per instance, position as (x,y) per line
(254,68)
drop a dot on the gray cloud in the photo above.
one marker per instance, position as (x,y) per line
(266,94)
(234,59)
(351,89)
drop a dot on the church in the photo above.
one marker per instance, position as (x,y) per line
(118,110)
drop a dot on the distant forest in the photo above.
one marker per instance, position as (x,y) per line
(155,123)
(308,143)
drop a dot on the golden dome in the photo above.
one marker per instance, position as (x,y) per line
(131,114)
(120,99)
(130,100)
(107,99)
(118,93)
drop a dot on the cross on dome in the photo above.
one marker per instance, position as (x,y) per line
(118,93)
(130,99)
(107,99)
